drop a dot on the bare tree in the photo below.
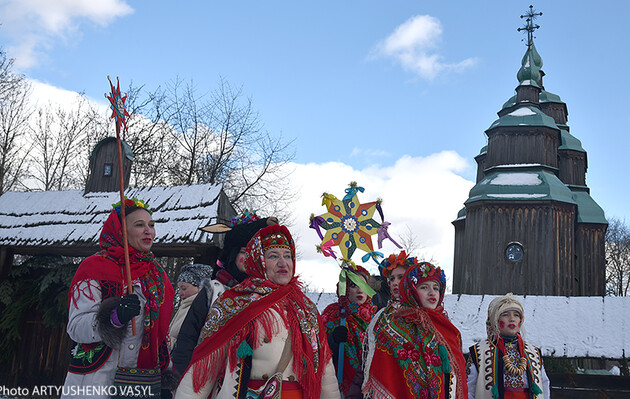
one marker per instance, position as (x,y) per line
(150,136)
(14,116)
(617,257)
(409,241)
(216,138)
(60,155)
(251,163)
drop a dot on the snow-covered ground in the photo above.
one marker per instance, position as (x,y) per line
(559,326)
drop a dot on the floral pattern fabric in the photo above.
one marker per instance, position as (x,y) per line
(357,317)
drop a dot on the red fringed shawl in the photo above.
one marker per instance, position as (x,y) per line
(242,311)
(107,267)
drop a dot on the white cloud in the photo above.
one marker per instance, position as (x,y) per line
(421,194)
(369,153)
(34,25)
(414,45)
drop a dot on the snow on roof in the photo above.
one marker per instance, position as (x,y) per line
(517,179)
(53,218)
(560,326)
(523,111)
(517,195)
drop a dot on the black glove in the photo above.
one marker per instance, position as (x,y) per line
(129,308)
(340,334)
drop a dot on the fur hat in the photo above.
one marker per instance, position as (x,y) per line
(194,273)
(497,306)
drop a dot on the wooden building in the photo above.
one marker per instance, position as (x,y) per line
(68,223)
(529,225)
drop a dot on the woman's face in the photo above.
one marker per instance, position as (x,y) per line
(140,230)
(394,280)
(279,265)
(240,260)
(429,293)
(355,293)
(510,322)
(186,289)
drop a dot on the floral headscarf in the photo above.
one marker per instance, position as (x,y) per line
(416,346)
(417,275)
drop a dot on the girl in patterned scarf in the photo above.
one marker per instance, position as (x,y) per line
(263,335)
(413,350)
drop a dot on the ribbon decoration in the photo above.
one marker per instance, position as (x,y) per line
(374,255)
(347,273)
(340,355)
(383,234)
(316,222)
(352,190)
(326,249)
(327,199)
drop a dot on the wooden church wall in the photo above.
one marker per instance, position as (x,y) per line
(481,166)
(572,167)
(458,256)
(533,147)
(555,110)
(590,252)
(543,272)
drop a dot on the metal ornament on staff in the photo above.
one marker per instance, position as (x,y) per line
(119,114)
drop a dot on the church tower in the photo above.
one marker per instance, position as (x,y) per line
(529,225)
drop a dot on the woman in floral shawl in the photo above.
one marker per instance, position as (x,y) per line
(346,321)
(264,334)
(100,314)
(414,351)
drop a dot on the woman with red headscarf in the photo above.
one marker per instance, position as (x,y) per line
(413,350)
(263,335)
(108,359)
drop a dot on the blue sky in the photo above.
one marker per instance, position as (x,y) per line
(393,94)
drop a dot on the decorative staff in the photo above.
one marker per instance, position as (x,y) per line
(119,114)
(349,225)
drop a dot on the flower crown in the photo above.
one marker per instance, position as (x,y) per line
(246,217)
(132,203)
(393,261)
(427,271)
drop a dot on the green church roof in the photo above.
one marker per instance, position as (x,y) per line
(521,182)
(529,73)
(570,142)
(548,97)
(543,97)
(588,210)
(525,116)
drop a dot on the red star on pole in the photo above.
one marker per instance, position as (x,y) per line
(117,104)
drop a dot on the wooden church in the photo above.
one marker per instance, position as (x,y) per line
(530,225)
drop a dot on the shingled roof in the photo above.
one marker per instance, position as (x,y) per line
(69,222)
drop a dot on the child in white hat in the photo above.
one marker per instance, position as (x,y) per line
(504,366)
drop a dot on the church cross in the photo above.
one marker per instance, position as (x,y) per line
(529,26)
